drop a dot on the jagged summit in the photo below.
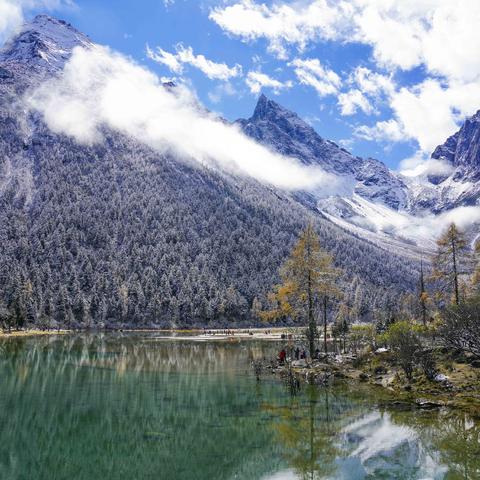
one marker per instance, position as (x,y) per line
(462,149)
(268,109)
(284,131)
(44,42)
(276,126)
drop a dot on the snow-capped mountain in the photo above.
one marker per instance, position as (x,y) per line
(383,206)
(287,133)
(116,231)
(44,45)
(458,184)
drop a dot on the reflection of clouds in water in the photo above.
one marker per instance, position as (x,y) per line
(283,475)
(378,434)
(380,445)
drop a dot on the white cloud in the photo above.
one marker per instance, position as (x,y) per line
(100,88)
(185,55)
(368,90)
(422,229)
(258,80)
(11,16)
(12,13)
(353,100)
(432,226)
(443,35)
(282,24)
(384,130)
(165,58)
(372,83)
(427,113)
(311,72)
(419,165)
(222,90)
(430,111)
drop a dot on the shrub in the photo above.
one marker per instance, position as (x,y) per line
(461,327)
(405,343)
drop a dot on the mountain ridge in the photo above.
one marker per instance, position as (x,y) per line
(116,233)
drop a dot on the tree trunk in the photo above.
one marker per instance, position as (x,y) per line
(311,319)
(325,323)
(422,296)
(455,274)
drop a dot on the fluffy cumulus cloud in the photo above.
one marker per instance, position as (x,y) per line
(185,56)
(311,72)
(352,101)
(389,130)
(100,88)
(419,165)
(256,81)
(440,36)
(367,90)
(430,112)
(12,13)
(372,83)
(282,24)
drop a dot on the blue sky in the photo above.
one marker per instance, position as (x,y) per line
(383,79)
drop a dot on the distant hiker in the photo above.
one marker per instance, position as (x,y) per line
(297,353)
(317,353)
(281,356)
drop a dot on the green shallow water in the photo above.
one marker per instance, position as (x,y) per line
(137,407)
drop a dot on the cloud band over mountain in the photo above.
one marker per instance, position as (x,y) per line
(100,88)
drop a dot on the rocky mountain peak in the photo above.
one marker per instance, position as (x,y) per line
(462,149)
(44,42)
(269,110)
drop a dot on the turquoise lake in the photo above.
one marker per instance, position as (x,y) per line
(134,406)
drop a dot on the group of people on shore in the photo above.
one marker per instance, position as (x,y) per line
(219,332)
(232,332)
(297,354)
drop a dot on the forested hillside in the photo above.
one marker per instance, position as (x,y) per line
(118,234)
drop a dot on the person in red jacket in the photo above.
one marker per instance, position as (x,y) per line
(281,356)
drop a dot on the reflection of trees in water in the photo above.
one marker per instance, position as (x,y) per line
(307,428)
(452,437)
(89,408)
(325,434)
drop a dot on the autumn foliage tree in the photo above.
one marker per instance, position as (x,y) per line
(308,281)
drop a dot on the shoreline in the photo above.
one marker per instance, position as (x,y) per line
(462,393)
(199,334)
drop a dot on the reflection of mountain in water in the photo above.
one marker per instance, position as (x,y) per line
(112,407)
(377,447)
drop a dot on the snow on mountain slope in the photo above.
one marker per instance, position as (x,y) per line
(285,132)
(118,231)
(385,207)
(46,43)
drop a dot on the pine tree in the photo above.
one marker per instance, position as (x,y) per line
(452,251)
(423,296)
(308,277)
(342,321)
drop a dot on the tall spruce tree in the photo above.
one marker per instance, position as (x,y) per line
(423,296)
(449,261)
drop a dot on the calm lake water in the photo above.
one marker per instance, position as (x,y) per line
(136,407)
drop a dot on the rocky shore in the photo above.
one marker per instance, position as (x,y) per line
(457,384)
